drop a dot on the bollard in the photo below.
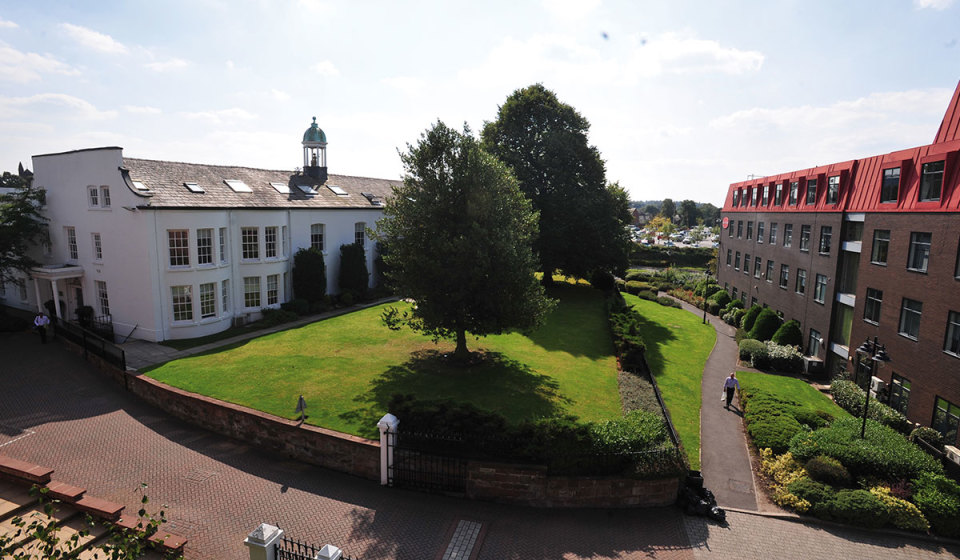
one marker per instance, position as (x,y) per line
(261,542)
(388,425)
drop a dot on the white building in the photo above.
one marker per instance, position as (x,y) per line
(172,250)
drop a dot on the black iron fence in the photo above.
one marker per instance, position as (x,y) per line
(428,461)
(92,344)
(291,549)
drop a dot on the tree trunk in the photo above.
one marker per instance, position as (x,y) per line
(547,279)
(461,354)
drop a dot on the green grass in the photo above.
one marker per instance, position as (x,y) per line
(678,345)
(347,368)
(791,389)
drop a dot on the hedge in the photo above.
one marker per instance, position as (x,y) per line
(722,298)
(755,352)
(789,334)
(770,421)
(750,317)
(938,497)
(849,396)
(765,325)
(629,345)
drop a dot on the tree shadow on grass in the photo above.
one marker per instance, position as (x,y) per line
(655,335)
(498,384)
(577,326)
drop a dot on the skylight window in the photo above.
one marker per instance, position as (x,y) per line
(374,199)
(140,186)
(194,188)
(281,188)
(237,186)
(337,190)
(307,189)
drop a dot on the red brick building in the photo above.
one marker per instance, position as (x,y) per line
(861,249)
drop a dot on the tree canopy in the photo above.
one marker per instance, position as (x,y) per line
(544,142)
(668,209)
(460,234)
(688,213)
(21,225)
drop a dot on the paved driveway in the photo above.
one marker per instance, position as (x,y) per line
(57,411)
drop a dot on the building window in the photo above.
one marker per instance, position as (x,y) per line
(105,196)
(273,290)
(270,241)
(757,261)
(250,243)
(102,298)
(759,232)
(736,197)
(778,194)
(94,197)
(205,246)
(811,192)
(756,195)
(820,289)
(833,189)
(899,393)
(316,237)
(769,271)
(729,256)
(746,263)
(804,238)
(931,181)
(881,245)
(788,235)
(946,418)
(952,342)
(794,188)
(739,229)
(182,297)
(890,187)
(910,312)
(736,261)
(283,241)
(749,230)
(208,300)
(72,242)
(919,256)
(360,233)
(225,296)
(734,296)
(773,233)
(826,235)
(179,241)
(223,245)
(251,291)
(784,276)
(801,287)
(871,309)
(813,344)
(766,195)
(97,247)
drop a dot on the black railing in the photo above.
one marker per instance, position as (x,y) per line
(92,344)
(292,549)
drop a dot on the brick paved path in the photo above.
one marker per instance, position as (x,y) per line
(59,412)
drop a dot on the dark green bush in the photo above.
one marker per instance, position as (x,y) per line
(814,420)
(789,334)
(640,275)
(320,306)
(827,470)
(883,453)
(938,497)
(354,277)
(627,341)
(765,325)
(647,295)
(636,286)
(602,280)
(669,302)
(639,430)
(273,317)
(711,289)
(722,298)
(774,431)
(851,398)
(928,435)
(756,352)
(812,491)
(733,304)
(750,317)
(621,284)
(858,507)
(713,307)
(309,275)
(347,298)
(733,317)
(299,306)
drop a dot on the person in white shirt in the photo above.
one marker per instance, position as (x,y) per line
(40,323)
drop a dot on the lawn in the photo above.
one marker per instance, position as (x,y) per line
(791,389)
(678,345)
(347,368)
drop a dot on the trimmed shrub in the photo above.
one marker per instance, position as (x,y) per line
(789,334)
(621,284)
(354,277)
(272,316)
(627,342)
(850,397)
(711,289)
(928,435)
(635,286)
(784,358)
(827,470)
(733,304)
(639,430)
(641,275)
(765,325)
(733,317)
(938,497)
(812,491)
(722,298)
(299,306)
(883,453)
(669,302)
(783,470)
(857,507)
(750,317)
(756,352)
(602,280)
(813,420)
(774,431)
(309,275)
(902,514)
(713,307)
(648,295)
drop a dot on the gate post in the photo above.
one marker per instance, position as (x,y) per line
(388,428)
(261,542)
(329,552)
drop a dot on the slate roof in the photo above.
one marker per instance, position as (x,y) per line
(165,183)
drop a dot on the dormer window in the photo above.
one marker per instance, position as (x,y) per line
(931,180)
(374,199)
(811,192)
(891,185)
(833,189)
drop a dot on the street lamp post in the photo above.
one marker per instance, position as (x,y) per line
(878,355)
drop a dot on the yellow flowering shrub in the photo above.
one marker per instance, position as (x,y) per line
(903,514)
(782,470)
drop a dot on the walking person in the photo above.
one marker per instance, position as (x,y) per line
(40,323)
(730,385)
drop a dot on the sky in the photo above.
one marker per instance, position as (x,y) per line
(683,97)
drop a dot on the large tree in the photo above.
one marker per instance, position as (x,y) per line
(21,225)
(668,209)
(688,213)
(544,142)
(460,234)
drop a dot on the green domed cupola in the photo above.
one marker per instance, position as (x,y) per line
(314,134)
(315,152)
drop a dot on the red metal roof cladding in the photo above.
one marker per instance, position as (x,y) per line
(860,180)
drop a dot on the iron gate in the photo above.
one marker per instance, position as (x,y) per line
(292,549)
(425,461)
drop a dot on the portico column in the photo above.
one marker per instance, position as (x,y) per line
(36,289)
(56,298)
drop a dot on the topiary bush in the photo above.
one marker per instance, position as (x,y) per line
(902,514)
(855,507)
(929,435)
(755,352)
(774,431)
(299,306)
(648,295)
(850,397)
(938,497)
(636,286)
(354,278)
(749,317)
(765,325)
(827,470)
(635,274)
(722,298)
(789,334)
(309,275)
(273,317)
(813,419)
(812,491)
(669,302)
(733,304)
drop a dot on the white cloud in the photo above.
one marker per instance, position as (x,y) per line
(230,65)
(223,116)
(406,84)
(681,54)
(143,110)
(573,10)
(325,68)
(93,40)
(8,24)
(49,105)
(279,95)
(167,65)
(21,67)
(933,4)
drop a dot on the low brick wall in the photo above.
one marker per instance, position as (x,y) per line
(319,446)
(530,485)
